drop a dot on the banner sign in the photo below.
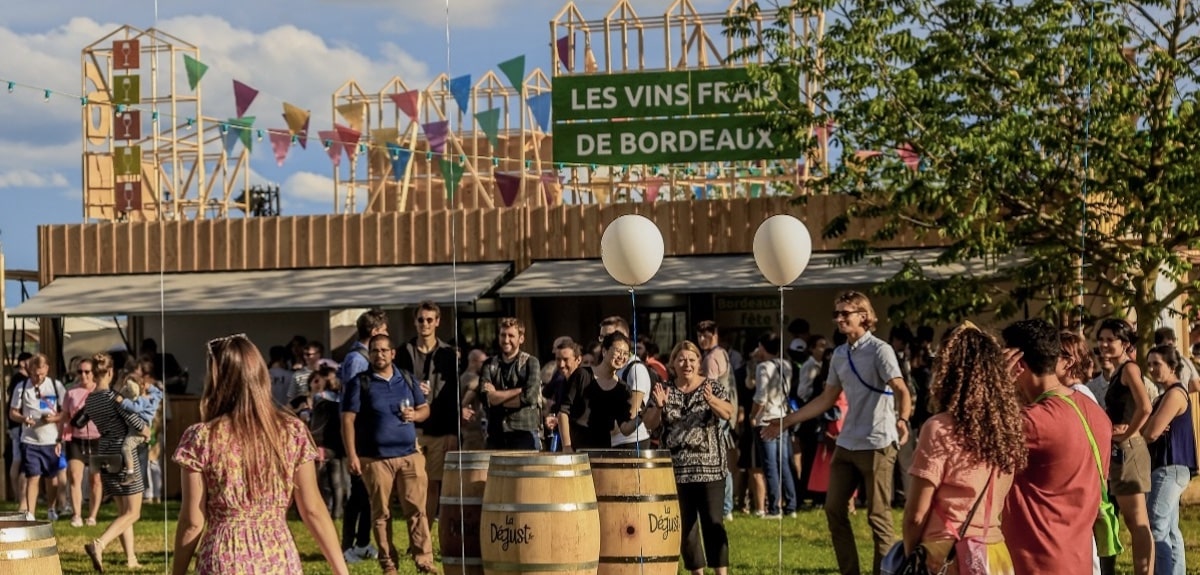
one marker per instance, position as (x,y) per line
(653,94)
(671,140)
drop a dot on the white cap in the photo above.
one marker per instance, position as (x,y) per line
(798,344)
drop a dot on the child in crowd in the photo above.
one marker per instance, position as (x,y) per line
(144,403)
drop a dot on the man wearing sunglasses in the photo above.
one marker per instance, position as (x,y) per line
(876,424)
(37,404)
(435,365)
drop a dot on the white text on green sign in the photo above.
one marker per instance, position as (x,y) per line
(658,94)
(676,140)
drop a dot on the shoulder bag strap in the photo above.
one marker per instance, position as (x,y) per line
(1092,440)
(850,360)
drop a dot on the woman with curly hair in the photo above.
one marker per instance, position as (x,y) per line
(243,465)
(967,452)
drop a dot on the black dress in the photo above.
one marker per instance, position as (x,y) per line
(114,424)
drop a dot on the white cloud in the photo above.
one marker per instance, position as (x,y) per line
(308,187)
(31,179)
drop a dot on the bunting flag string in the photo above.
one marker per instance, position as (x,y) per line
(333,147)
(452,173)
(400,158)
(653,185)
(514,70)
(436,133)
(281,143)
(243,96)
(236,129)
(460,88)
(297,122)
(348,138)
(489,122)
(509,185)
(540,106)
(195,71)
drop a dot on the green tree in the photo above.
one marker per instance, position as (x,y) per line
(1037,135)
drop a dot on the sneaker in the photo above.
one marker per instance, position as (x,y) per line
(51,515)
(66,511)
(368,552)
(759,513)
(350,556)
(29,516)
(728,517)
(791,514)
(89,522)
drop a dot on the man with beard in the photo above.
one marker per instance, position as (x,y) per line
(512,389)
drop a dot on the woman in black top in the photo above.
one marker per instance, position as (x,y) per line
(604,403)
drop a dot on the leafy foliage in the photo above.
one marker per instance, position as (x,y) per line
(1039,135)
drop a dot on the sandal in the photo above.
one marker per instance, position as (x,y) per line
(95,554)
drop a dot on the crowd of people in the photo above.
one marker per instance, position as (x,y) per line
(1007,442)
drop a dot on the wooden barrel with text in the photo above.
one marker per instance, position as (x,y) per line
(539,515)
(28,547)
(640,523)
(463,480)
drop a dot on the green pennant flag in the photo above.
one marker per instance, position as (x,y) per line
(489,122)
(514,70)
(195,70)
(241,129)
(452,172)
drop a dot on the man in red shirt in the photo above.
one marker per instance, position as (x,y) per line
(1053,504)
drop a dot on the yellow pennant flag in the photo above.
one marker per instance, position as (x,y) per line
(384,136)
(296,118)
(354,113)
(602,188)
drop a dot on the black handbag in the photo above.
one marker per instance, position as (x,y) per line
(107,463)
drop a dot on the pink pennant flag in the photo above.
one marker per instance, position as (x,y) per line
(407,102)
(653,185)
(349,138)
(281,142)
(436,132)
(822,133)
(243,96)
(910,156)
(564,51)
(329,139)
(509,186)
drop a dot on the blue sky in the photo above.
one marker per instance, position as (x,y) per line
(299,51)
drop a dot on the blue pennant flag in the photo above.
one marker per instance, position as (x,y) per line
(460,88)
(231,136)
(399,157)
(540,106)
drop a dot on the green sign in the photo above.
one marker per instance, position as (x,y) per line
(652,94)
(666,141)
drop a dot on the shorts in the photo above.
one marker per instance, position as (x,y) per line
(82,449)
(39,460)
(14,436)
(435,448)
(1129,473)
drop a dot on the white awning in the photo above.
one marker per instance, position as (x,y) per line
(261,290)
(727,273)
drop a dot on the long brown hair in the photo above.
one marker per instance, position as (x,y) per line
(1075,348)
(973,387)
(237,393)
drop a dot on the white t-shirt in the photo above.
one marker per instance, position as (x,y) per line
(771,390)
(638,380)
(35,401)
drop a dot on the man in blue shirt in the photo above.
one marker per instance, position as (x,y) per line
(380,408)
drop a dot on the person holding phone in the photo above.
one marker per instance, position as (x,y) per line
(37,405)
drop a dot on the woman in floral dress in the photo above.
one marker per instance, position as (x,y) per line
(242,465)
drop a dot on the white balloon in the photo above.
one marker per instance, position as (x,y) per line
(632,249)
(782,248)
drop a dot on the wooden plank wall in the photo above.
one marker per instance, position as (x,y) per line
(518,234)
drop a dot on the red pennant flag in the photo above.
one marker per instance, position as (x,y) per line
(281,142)
(407,102)
(910,156)
(653,185)
(243,96)
(349,138)
(509,186)
(329,139)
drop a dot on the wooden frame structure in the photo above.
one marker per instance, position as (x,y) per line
(149,152)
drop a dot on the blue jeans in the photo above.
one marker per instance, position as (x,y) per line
(1166,488)
(775,462)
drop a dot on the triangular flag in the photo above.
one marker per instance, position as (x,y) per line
(407,102)
(601,187)
(910,157)
(354,113)
(244,125)
(303,135)
(514,70)
(509,186)
(333,148)
(195,70)
(452,172)
(295,117)
(436,132)
(243,96)
(230,138)
(653,185)
(281,142)
(540,106)
(489,122)
(460,88)
(399,157)
(563,45)
(385,136)
(238,129)
(552,187)
(349,138)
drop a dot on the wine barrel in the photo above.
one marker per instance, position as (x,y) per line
(28,547)
(463,481)
(539,515)
(640,522)
(10,516)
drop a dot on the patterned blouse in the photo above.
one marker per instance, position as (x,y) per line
(692,431)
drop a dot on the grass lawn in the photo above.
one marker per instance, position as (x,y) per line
(754,544)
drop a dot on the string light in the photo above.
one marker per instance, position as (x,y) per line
(83,101)
(46,96)
(11,86)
